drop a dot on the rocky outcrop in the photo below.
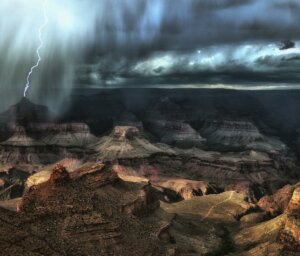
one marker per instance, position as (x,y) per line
(126,142)
(175,133)
(277,203)
(294,203)
(87,212)
(21,148)
(227,135)
(37,178)
(68,135)
(165,120)
(59,175)
(230,134)
(44,143)
(30,135)
(290,233)
(253,175)
(187,189)
(44,175)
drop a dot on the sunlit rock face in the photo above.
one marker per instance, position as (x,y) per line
(290,234)
(187,189)
(91,204)
(279,202)
(250,176)
(295,200)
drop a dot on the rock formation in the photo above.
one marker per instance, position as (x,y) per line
(290,234)
(219,162)
(126,142)
(30,135)
(277,203)
(175,133)
(87,212)
(254,175)
(230,134)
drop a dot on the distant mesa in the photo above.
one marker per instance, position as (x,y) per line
(126,142)
(26,111)
(230,134)
(30,134)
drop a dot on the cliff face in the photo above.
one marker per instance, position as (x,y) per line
(278,202)
(231,133)
(175,133)
(30,135)
(44,143)
(290,234)
(252,175)
(126,142)
(92,211)
(88,212)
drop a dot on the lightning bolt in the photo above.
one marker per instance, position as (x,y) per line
(41,29)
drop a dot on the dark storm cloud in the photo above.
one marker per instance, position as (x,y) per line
(144,42)
(157,42)
(185,24)
(223,64)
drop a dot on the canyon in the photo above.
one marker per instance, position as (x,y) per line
(151,172)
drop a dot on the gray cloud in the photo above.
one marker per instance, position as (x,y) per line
(234,64)
(144,42)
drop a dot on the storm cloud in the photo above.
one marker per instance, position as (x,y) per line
(186,24)
(111,43)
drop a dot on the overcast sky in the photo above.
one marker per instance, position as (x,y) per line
(167,42)
(171,43)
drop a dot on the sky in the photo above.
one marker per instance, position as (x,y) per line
(147,43)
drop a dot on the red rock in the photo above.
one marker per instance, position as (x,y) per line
(59,175)
(290,234)
(277,203)
(95,212)
(2,183)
